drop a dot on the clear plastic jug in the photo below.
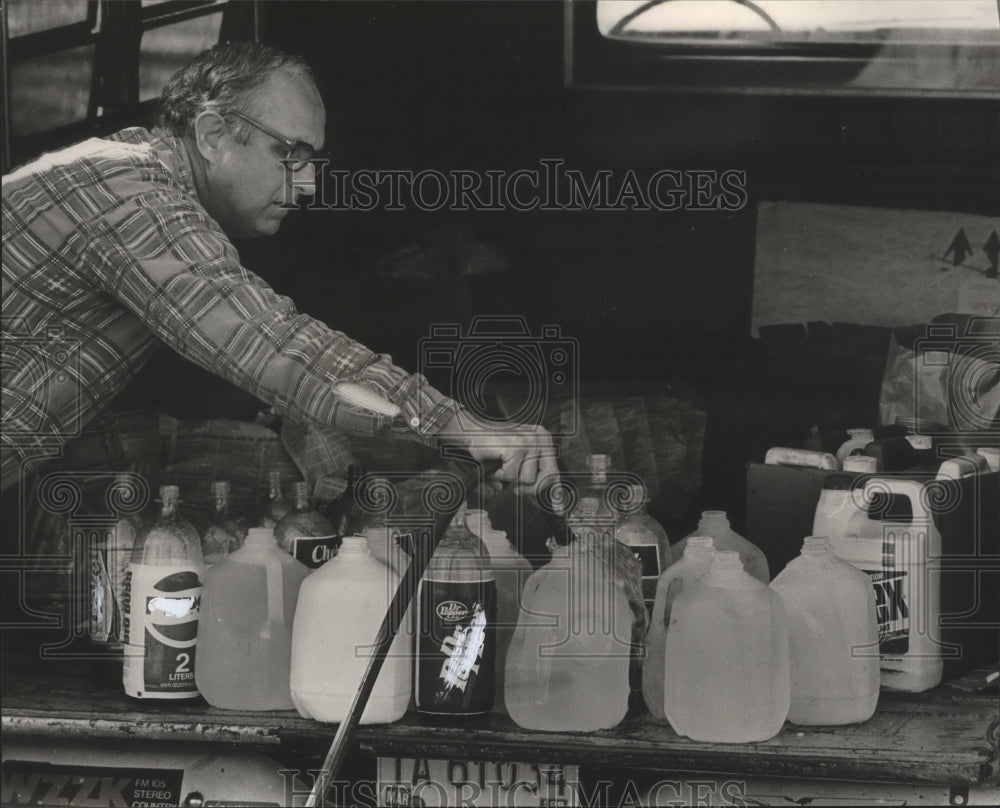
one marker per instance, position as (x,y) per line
(341,608)
(567,667)
(691,566)
(245,632)
(726,657)
(833,637)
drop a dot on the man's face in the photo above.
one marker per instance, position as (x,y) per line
(249,186)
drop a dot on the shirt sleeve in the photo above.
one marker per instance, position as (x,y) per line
(164,258)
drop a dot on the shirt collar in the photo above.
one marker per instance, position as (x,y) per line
(173,151)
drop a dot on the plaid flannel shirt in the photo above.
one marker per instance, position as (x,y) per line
(106,249)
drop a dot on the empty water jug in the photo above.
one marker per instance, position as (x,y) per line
(833,637)
(726,657)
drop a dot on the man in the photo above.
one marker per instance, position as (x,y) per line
(115,244)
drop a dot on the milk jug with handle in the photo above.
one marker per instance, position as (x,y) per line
(245,631)
(833,637)
(567,667)
(340,612)
(726,657)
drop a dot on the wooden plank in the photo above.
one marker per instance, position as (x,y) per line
(942,737)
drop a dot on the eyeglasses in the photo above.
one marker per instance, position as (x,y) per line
(299,153)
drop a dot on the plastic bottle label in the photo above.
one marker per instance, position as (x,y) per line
(104,620)
(456,648)
(161,626)
(315,551)
(648,556)
(892,611)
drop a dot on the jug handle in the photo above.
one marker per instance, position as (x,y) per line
(275,596)
(914,490)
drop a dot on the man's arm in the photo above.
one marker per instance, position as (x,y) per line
(169,263)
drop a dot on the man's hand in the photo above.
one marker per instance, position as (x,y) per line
(526,450)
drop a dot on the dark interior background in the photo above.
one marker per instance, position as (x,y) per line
(650,296)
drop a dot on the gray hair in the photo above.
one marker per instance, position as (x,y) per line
(223,78)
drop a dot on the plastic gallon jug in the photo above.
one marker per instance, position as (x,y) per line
(161,603)
(341,608)
(691,566)
(245,631)
(567,668)
(716,525)
(510,570)
(456,627)
(902,559)
(832,637)
(726,657)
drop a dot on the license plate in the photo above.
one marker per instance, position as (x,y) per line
(405,782)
